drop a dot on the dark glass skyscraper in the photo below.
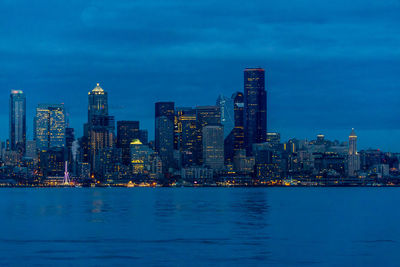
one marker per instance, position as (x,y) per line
(255,107)
(17,121)
(164,133)
(186,134)
(98,102)
(205,115)
(100,127)
(127,131)
(238,106)
(234,142)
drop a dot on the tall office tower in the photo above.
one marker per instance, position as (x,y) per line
(227,113)
(164,133)
(186,134)
(31,151)
(127,131)
(238,108)
(213,146)
(144,137)
(205,115)
(235,140)
(274,140)
(99,129)
(255,107)
(320,139)
(98,102)
(69,140)
(353,156)
(17,121)
(180,112)
(49,126)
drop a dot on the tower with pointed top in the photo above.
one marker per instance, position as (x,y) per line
(353,156)
(99,129)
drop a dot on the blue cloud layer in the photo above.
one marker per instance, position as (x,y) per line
(330,65)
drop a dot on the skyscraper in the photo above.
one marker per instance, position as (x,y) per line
(186,134)
(17,121)
(213,146)
(127,131)
(255,107)
(100,127)
(69,140)
(144,137)
(98,102)
(227,113)
(164,133)
(49,126)
(238,109)
(235,140)
(353,156)
(205,115)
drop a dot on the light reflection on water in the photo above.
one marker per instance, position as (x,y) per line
(197,226)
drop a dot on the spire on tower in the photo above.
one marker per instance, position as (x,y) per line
(353,133)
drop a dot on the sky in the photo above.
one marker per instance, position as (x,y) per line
(330,65)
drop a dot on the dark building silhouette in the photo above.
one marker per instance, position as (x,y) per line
(52,161)
(238,109)
(186,134)
(100,127)
(17,121)
(127,131)
(164,133)
(255,107)
(205,115)
(69,140)
(144,137)
(235,140)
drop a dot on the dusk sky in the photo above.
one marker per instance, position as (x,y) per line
(330,65)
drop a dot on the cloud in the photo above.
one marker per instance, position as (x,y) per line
(330,65)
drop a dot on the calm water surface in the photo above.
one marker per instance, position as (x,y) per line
(200,226)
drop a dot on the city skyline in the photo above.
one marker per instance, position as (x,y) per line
(313,61)
(335,134)
(175,132)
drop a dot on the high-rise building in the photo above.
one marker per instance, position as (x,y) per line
(238,108)
(180,114)
(274,140)
(213,146)
(164,133)
(98,102)
(17,121)
(235,140)
(52,161)
(127,131)
(69,140)
(144,137)
(353,156)
(140,157)
(99,129)
(31,151)
(108,162)
(186,135)
(49,126)
(255,107)
(226,106)
(205,115)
